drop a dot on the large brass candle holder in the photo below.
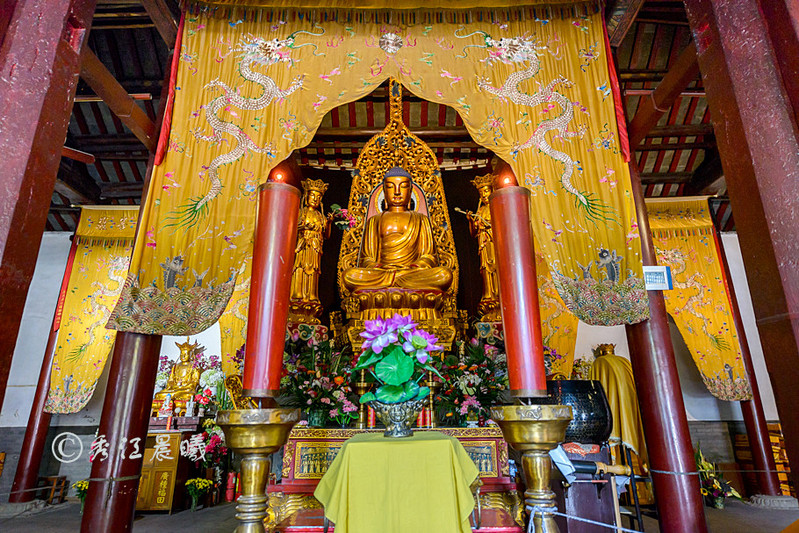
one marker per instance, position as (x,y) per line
(534,430)
(361,387)
(434,385)
(254,434)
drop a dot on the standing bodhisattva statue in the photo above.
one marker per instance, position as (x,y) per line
(480,223)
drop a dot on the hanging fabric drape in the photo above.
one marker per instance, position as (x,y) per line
(233,322)
(530,83)
(684,239)
(558,324)
(103,243)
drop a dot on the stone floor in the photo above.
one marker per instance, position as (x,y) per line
(66,517)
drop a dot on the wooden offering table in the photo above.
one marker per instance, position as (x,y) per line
(310,451)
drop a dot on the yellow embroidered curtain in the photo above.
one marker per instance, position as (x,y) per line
(558,325)
(685,241)
(233,322)
(531,84)
(103,244)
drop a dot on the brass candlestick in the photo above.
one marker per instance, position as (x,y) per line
(255,434)
(534,430)
(361,388)
(434,385)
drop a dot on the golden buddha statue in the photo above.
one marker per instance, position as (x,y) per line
(313,228)
(398,249)
(480,224)
(183,378)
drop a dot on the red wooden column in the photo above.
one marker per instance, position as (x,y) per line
(518,286)
(30,456)
(272,264)
(39,65)
(114,482)
(668,441)
(745,61)
(755,420)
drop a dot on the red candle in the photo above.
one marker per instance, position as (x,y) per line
(518,291)
(272,264)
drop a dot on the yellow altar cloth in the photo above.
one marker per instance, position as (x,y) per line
(403,485)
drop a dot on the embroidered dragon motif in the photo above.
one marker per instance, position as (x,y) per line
(254,51)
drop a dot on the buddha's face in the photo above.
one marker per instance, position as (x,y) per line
(397,190)
(313,199)
(185,353)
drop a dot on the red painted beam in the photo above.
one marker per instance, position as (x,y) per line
(39,63)
(759,147)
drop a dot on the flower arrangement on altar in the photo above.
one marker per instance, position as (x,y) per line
(397,355)
(317,378)
(196,487)
(216,451)
(341,217)
(712,483)
(474,377)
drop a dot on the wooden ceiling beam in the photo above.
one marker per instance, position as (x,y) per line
(683,72)
(323,134)
(619,17)
(674,146)
(652,178)
(111,191)
(76,184)
(681,130)
(77,155)
(116,97)
(706,174)
(164,21)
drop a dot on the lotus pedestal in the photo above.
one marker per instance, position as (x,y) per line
(255,434)
(534,430)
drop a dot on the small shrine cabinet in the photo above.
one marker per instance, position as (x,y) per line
(164,472)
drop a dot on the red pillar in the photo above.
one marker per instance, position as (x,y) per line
(30,456)
(39,65)
(518,288)
(742,57)
(754,418)
(114,481)
(272,264)
(668,441)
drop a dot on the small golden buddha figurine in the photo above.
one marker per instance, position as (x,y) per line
(398,249)
(313,228)
(183,379)
(480,224)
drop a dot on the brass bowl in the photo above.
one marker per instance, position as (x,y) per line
(533,427)
(257,430)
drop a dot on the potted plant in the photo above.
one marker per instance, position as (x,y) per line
(196,487)
(397,354)
(81,488)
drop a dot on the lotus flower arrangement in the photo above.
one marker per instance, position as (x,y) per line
(397,354)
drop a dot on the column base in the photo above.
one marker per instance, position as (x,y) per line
(774,502)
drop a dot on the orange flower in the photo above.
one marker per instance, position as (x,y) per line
(338,380)
(473,368)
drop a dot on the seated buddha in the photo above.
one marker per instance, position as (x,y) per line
(398,249)
(183,378)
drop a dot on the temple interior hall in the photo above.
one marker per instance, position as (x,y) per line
(486,266)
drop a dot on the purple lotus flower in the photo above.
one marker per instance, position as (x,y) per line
(401,323)
(378,335)
(418,343)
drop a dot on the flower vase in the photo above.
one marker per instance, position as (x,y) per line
(316,418)
(398,417)
(82,504)
(194,502)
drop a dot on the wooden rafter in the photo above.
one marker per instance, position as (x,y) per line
(76,184)
(706,174)
(164,21)
(116,97)
(619,16)
(683,72)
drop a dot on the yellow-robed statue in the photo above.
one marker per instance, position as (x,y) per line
(398,249)
(183,379)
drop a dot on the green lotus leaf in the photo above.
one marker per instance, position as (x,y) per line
(424,392)
(396,368)
(368,397)
(367,359)
(390,393)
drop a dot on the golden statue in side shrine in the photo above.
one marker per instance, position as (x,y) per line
(313,228)
(183,378)
(400,256)
(480,224)
(398,249)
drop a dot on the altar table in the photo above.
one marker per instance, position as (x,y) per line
(399,485)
